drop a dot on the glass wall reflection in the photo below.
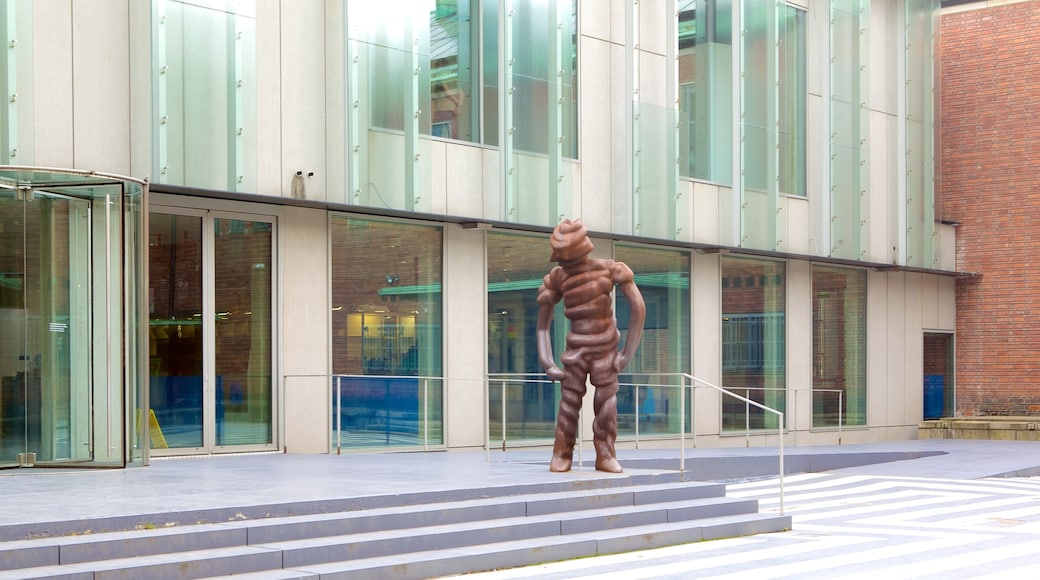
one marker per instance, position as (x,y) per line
(243,277)
(839,346)
(175,337)
(649,386)
(522,400)
(706,89)
(386,333)
(753,341)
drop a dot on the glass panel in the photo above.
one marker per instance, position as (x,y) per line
(45,347)
(839,346)
(544,47)
(921,121)
(849,129)
(539,55)
(135,260)
(516,266)
(386,333)
(14,367)
(204,84)
(453,70)
(706,89)
(16,82)
(389,88)
(753,341)
(655,180)
(791,99)
(649,384)
(175,330)
(242,282)
(938,376)
(774,96)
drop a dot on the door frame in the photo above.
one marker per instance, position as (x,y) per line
(210,210)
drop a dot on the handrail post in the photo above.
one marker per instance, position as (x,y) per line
(426,414)
(503,415)
(747,418)
(339,415)
(487,419)
(840,406)
(682,423)
(780,432)
(637,414)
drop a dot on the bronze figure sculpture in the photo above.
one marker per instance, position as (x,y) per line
(585,284)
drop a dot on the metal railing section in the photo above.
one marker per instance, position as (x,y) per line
(386,400)
(685,383)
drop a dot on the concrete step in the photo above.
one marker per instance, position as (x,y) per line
(483,557)
(551,523)
(420,539)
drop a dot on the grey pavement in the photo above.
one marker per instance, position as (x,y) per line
(925,474)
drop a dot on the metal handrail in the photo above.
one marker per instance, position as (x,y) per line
(337,395)
(747,402)
(686,381)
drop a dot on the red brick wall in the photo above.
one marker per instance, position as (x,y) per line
(990,107)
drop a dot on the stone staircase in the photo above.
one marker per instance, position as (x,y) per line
(425,535)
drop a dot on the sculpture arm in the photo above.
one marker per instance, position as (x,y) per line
(547,299)
(636,317)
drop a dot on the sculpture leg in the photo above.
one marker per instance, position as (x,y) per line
(604,427)
(571,392)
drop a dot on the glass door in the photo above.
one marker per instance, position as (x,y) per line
(45,394)
(210,297)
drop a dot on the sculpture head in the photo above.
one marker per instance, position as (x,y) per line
(570,241)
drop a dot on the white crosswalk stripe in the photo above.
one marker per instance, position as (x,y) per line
(852,526)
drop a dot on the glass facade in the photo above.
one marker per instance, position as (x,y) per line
(849,128)
(753,341)
(386,333)
(839,346)
(464,71)
(519,391)
(16,82)
(175,338)
(204,93)
(70,350)
(922,129)
(210,308)
(706,89)
(773,120)
(649,392)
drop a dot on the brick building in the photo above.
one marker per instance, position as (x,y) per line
(991,190)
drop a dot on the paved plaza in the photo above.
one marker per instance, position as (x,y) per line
(945,509)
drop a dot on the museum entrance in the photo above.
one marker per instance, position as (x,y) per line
(63,393)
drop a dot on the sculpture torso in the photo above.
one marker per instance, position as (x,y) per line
(585,288)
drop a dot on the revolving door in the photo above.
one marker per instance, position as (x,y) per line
(71,280)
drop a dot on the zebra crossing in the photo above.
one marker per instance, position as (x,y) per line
(851,527)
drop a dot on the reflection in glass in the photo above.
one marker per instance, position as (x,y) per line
(175,329)
(839,346)
(242,282)
(45,309)
(705,87)
(416,71)
(663,278)
(753,341)
(774,97)
(386,333)
(516,266)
